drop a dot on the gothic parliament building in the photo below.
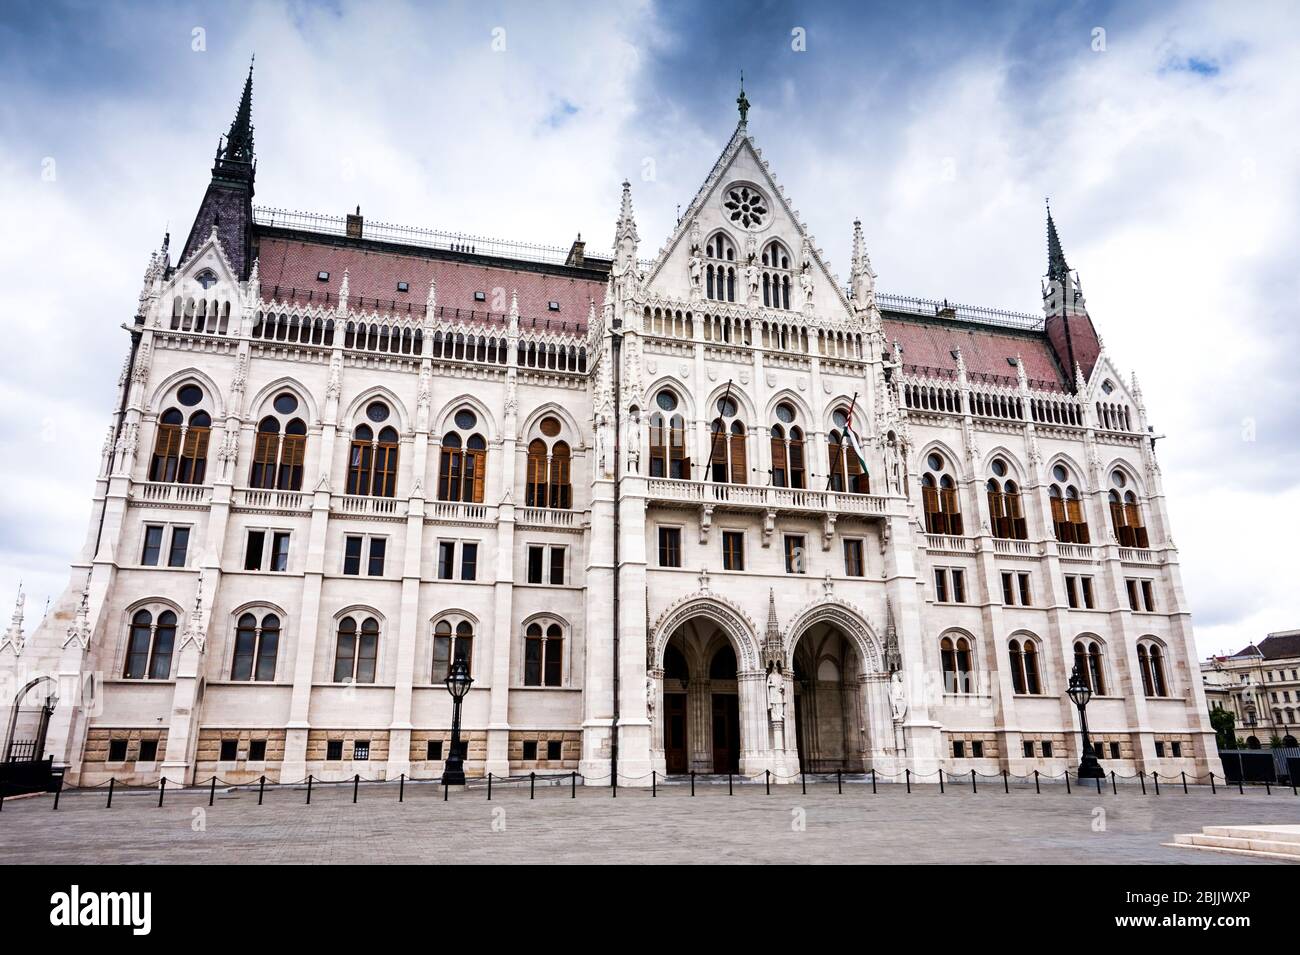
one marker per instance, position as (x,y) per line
(708,511)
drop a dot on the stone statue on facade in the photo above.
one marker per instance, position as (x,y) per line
(634,441)
(775,694)
(897,696)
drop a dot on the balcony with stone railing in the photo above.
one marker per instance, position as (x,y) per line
(164,492)
(551,518)
(745,497)
(263,499)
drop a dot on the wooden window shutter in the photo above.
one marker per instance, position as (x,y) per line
(779,463)
(480,473)
(739,466)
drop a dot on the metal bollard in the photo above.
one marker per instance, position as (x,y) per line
(769,781)
(873,780)
(1037,790)
(1213,791)
(112,781)
(309,789)
(573,785)
(1184,782)
(1098,785)
(261,788)
(1067,782)
(532,785)
(1156,776)
(941,782)
(489,787)
(1241,786)
(613,785)
(839,782)
(1142,778)
(803,781)
(654,785)
(1114,790)
(692,782)
(58,792)
(908,773)
(1006,783)
(212,790)
(401,788)
(356,783)
(162,790)
(972,782)
(730,791)
(444,789)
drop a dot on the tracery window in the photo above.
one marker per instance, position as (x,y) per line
(1088,658)
(1006,515)
(720,268)
(845,467)
(356,650)
(939,497)
(1126,513)
(180,452)
(776,275)
(462,469)
(787,444)
(280,447)
(453,639)
(955,654)
(1068,520)
(1024,666)
(727,437)
(548,468)
(1151,662)
(668,457)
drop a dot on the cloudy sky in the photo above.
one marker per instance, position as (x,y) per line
(1164,133)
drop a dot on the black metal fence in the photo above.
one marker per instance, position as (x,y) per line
(21,776)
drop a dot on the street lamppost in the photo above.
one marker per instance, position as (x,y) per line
(1080,693)
(458,683)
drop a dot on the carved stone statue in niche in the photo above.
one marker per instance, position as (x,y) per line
(775,694)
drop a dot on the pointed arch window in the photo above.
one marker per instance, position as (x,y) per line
(1088,658)
(356,651)
(543,654)
(452,640)
(257,643)
(180,451)
(1024,667)
(1126,513)
(787,456)
(278,454)
(372,462)
(727,442)
(668,457)
(720,268)
(549,483)
(955,653)
(939,497)
(1152,665)
(150,645)
(1068,521)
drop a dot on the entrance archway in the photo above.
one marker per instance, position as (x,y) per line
(701,692)
(828,703)
(25,732)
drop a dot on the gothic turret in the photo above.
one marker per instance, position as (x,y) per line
(1068,326)
(228,203)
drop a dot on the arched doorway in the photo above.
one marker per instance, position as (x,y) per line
(25,733)
(828,704)
(701,700)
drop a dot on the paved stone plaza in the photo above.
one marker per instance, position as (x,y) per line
(857,827)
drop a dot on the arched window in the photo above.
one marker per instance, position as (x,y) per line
(256,644)
(727,436)
(1087,657)
(720,268)
(1126,513)
(356,653)
(453,639)
(776,275)
(280,447)
(1067,509)
(149,646)
(787,450)
(956,656)
(1006,516)
(845,465)
(1024,667)
(668,457)
(180,451)
(543,654)
(1152,664)
(372,458)
(939,497)
(462,468)
(549,482)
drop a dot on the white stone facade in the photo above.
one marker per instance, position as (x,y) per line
(867,689)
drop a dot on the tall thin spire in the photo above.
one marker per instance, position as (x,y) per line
(1057,268)
(239,140)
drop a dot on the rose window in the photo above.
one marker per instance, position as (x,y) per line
(746,206)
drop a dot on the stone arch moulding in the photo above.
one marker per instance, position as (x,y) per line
(845,617)
(733,621)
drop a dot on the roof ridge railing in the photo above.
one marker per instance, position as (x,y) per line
(466,242)
(934,308)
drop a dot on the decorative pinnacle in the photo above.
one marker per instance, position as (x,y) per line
(1057,268)
(239,140)
(742,101)
(773,627)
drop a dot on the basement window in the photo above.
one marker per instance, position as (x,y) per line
(403,287)
(148,750)
(553,306)
(480,296)
(229,750)
(322,276)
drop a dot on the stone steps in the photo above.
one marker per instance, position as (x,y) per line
(1280,843)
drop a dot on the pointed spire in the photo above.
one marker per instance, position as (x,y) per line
(742,101)
(773,627)
(343,292)
(861,277)
(16,622)
(626,219)
(625,237)
(1057,268)
(239,140)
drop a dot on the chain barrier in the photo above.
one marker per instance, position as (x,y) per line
(943,778)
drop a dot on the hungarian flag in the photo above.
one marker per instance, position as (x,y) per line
(851,437)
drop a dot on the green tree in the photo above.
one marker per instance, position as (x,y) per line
(1225,725)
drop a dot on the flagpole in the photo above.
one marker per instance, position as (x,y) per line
(714,444)
(848,423)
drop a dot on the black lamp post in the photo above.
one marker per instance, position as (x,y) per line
(458,683)
(1080,693)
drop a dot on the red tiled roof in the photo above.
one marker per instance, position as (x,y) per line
(985,351)
(374,274)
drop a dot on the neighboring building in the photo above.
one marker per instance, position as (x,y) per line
(1260,686)
(814,525)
